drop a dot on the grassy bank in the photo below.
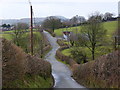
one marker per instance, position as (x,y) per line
(21,70)
(32,82)
(101,73)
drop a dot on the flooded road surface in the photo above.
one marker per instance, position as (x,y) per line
(60,72)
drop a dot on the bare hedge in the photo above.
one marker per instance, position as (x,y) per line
(47,43)
(101,73)
(16,63)
(62,57)
(61,42)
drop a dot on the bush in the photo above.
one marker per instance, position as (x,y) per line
(61,43)
(79,55)
(16,64)
(101,73)
(62,57)
(50,31)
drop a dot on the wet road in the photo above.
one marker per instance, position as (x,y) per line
(60,72)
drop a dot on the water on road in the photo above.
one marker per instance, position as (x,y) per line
(61,73)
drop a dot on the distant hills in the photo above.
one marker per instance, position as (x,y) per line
(27,20)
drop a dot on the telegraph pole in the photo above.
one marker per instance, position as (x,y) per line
(31,30)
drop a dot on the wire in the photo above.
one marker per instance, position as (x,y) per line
(34,21)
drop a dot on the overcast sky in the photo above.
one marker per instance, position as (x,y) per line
(16,9)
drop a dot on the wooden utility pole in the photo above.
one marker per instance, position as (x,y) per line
(31,33)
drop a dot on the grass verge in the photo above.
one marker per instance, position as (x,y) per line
(35,81)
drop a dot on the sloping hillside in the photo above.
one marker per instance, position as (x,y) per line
(22,70)
(101,73)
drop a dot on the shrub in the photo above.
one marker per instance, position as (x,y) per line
(62,57)
(101,73)
(13,60)
(61,42)
(79,55)
(16,64)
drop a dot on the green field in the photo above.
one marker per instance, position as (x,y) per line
(9,34)
(66,52)
(58,32)
(111,27)
(24,40)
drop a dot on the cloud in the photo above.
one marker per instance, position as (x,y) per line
(67,8)
(18,1)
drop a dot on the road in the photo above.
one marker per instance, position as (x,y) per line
(61,73)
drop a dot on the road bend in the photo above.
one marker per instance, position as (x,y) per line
(61,73)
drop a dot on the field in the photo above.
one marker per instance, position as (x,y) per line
(111,27)
(24,40)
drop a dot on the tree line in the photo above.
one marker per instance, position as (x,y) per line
(53,22)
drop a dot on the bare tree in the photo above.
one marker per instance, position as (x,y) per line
(19,29)
(77,20)
(81,19)
(93,32)
(74,20)
(52,23)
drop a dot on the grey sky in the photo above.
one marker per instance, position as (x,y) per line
(14,9)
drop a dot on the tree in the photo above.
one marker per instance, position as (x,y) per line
(74,20)
(94,33)
(77,20)
(19,29)
(4,25)
(73,38)
(8,26)
(81,19)
(108,16)
(52,23)
(79,55)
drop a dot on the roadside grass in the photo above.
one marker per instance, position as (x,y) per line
(66,52)
(35,81)
(47,52)
(61,61)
